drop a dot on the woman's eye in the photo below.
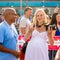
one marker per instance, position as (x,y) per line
(39,15)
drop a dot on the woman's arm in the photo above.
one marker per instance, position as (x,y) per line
(28,33)
(51,34)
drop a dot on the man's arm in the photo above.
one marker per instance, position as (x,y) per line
(3,49)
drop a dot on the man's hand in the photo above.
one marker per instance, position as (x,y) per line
(16,54)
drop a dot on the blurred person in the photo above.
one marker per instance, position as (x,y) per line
(25,22)
(57,33)
(57,57)
(24,25)
(8,37)
(1,18)
(52,49)
(17,21)
(53,18)
(46,11)
(48,19)
(58,24)
(56,11)
(39,37)
(48,16)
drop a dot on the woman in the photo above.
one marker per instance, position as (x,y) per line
(55,20)
(57,57)
(52,51)
(37,46)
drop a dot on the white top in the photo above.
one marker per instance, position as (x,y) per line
(24,22)
(37,47)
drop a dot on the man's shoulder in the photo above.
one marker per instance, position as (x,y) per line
(23,20)
(2,25)
(23,17)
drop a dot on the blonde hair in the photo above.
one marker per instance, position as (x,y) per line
(34,18)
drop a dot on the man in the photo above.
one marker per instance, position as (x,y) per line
(24,25)
(8,37)
(25,22)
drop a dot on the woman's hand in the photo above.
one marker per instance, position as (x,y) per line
(51,34)
(31,28)
(29,32)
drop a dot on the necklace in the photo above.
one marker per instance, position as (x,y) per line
(40,25)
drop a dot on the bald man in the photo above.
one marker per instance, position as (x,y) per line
(8,37)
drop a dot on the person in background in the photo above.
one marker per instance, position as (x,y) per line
(52,52)
(1,18)
(8,37)
(52,49)
(39,36)
(48,19)
(57,57)
(25,22)
(24,25)
(17,21)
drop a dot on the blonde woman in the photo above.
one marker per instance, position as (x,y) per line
(37,46)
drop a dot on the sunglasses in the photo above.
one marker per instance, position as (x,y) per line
(14,14)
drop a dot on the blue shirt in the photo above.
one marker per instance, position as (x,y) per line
(8,38)
(57,32)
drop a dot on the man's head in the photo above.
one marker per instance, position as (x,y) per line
(9,15)
(28,11)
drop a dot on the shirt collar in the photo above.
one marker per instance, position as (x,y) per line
(7,24)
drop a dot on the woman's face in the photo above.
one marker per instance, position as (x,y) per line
(40,17)
(58,18)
